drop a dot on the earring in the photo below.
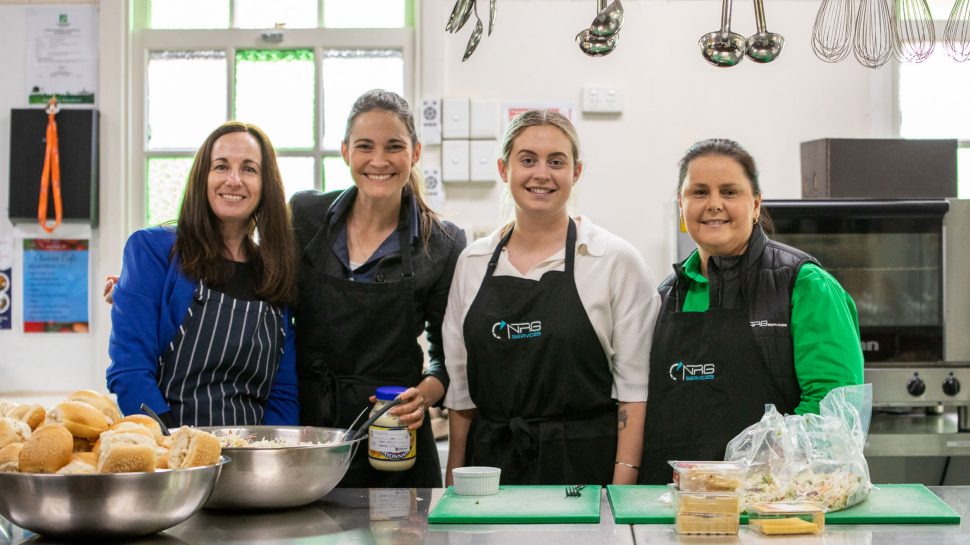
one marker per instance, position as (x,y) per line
(754,221)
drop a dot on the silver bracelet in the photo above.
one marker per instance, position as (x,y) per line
(624,464)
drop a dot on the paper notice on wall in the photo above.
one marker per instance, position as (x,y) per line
(62,53)
(512,109)
(56,283)
(6,281)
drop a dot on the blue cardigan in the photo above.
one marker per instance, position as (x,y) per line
(151,301)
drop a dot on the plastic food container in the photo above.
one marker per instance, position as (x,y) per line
(708,476)
(706,524)
(704,513)
(786,518)
(476,480)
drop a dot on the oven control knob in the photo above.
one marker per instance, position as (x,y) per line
(951,386)
(915,386)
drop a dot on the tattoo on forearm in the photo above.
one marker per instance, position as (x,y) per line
(622,418)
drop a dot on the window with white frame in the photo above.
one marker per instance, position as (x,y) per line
(291,67)
(932,98)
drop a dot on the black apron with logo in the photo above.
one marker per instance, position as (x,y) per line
(353,337)
(708,381)
(540,380)
(219,368)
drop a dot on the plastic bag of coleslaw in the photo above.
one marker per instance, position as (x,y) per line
(810,457)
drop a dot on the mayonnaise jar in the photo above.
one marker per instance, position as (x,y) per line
(391,446)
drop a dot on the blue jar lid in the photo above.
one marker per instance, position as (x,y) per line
(387,393)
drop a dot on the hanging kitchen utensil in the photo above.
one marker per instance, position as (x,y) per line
(459,15)
(832,33)
(764,46)
(956,35)
(476,35)
(722,47)
(491,16)
(595,46)
(915,32)
(872,44)
(608,19)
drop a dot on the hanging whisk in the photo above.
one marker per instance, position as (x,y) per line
(956,36)
(874,33)
(914,30)
(832,33)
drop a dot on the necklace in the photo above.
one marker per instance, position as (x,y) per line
(361,252)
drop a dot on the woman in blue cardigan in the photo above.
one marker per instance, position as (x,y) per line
(200,323)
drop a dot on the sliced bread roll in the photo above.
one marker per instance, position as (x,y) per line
(130,448)
(10,457)
(6,406)
(82,463)
(99,401)
(47,450)
(145,421)
(82,420)
(12,431)
(193,448)
(29,413)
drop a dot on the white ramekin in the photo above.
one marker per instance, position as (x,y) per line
(476,481)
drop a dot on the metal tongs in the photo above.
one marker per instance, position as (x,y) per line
(355,433)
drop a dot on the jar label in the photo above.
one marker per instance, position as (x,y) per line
(391,443)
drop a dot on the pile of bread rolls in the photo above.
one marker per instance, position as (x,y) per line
(86,433)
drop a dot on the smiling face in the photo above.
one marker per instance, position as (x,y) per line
(380,154)
(540,171)
(718,206)
(235,179)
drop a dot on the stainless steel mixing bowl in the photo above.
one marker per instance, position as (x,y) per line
(269,478)
(105,505)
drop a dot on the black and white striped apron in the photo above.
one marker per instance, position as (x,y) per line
(219,368)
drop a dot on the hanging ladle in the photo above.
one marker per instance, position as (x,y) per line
(723,47)
(763,46)
(595,46)
(608,19)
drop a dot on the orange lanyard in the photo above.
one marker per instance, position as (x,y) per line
(52,172)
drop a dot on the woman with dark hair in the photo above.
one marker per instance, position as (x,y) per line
(200,326)
(745,320)
(376,266)
(547,333)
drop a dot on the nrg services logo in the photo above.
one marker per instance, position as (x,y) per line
(524,330)
(684,372)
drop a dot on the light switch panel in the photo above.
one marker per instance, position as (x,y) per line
(484,118)
(484,160)
(454,161)
(454,124)
(430,119)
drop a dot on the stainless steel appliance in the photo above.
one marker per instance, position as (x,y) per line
(906,264)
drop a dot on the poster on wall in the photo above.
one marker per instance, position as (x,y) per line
(62,53)
(512,109)
(55,286)
(6,281)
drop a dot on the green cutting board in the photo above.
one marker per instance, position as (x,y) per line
(518,504)
(886,504)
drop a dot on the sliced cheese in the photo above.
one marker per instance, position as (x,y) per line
(787,525)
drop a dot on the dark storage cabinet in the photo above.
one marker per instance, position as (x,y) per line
(77,134)
(841,168)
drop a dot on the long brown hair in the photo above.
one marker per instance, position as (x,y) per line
(388,101)
(200,245)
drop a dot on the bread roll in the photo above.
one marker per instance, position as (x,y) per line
(161,458)
(99,401)
(47,450)
(29,413)
(146,421)
(10,457)
(81,419)
(6,406)
(82,463)
(193,448)
(82,445)
(128,449)
(12,431)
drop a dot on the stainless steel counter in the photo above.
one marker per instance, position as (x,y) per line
(399,517)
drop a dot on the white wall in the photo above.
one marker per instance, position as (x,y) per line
(672,98)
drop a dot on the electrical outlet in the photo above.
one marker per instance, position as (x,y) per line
(602,100)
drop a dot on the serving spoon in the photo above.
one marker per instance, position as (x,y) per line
(722,47)
(763,46)
(608,19)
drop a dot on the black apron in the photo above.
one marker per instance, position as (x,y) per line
(219,368)
(353,337)
(708,382)
(540,380)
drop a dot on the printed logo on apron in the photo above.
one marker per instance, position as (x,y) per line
(688,372)
(503,330)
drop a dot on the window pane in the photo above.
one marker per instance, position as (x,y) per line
(347,74)
(190,14)
(364,13)
(336,175)
(186,97)
(275,90)
(288,13)
(166,182)
(297,174)
(932,99)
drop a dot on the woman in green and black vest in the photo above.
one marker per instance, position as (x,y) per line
(744,321)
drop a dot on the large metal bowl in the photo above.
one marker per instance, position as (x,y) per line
(105,505)
(271,478)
